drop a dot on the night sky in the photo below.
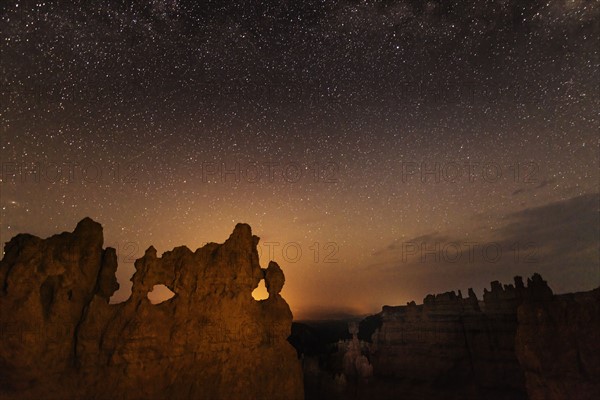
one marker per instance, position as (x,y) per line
(382,150)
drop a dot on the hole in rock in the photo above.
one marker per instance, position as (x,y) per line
(260,293)
(160,294)
(124,275)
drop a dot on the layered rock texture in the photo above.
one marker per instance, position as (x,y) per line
(61,339)
(558,347)
(520,342)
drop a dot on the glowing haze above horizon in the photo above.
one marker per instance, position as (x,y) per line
(381,150)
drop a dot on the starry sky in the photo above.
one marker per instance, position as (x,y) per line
(381,150)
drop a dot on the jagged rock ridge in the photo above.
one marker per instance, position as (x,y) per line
(521,341)
(62,339)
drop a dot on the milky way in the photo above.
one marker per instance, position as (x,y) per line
(382,150)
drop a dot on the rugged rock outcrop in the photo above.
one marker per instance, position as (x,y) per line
(354,362)
(520,342)
(62,339)
(557,345)
(457,344)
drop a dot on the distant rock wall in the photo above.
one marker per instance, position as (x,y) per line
(61,339)
(519,342)
(558,346)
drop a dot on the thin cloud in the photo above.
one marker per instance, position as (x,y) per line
(559,240)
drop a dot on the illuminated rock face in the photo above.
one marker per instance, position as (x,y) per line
(62,339)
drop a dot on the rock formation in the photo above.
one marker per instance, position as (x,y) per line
(354,362)
(520,342)
(558,348)
(451,343)
(60,337)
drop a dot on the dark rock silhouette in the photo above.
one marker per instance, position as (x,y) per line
(62,339)
(558,348)
(455,343)
(520,342)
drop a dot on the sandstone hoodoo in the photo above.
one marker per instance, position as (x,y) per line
(62,339)
(520,342)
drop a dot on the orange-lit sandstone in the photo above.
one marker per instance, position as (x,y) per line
(62,339)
